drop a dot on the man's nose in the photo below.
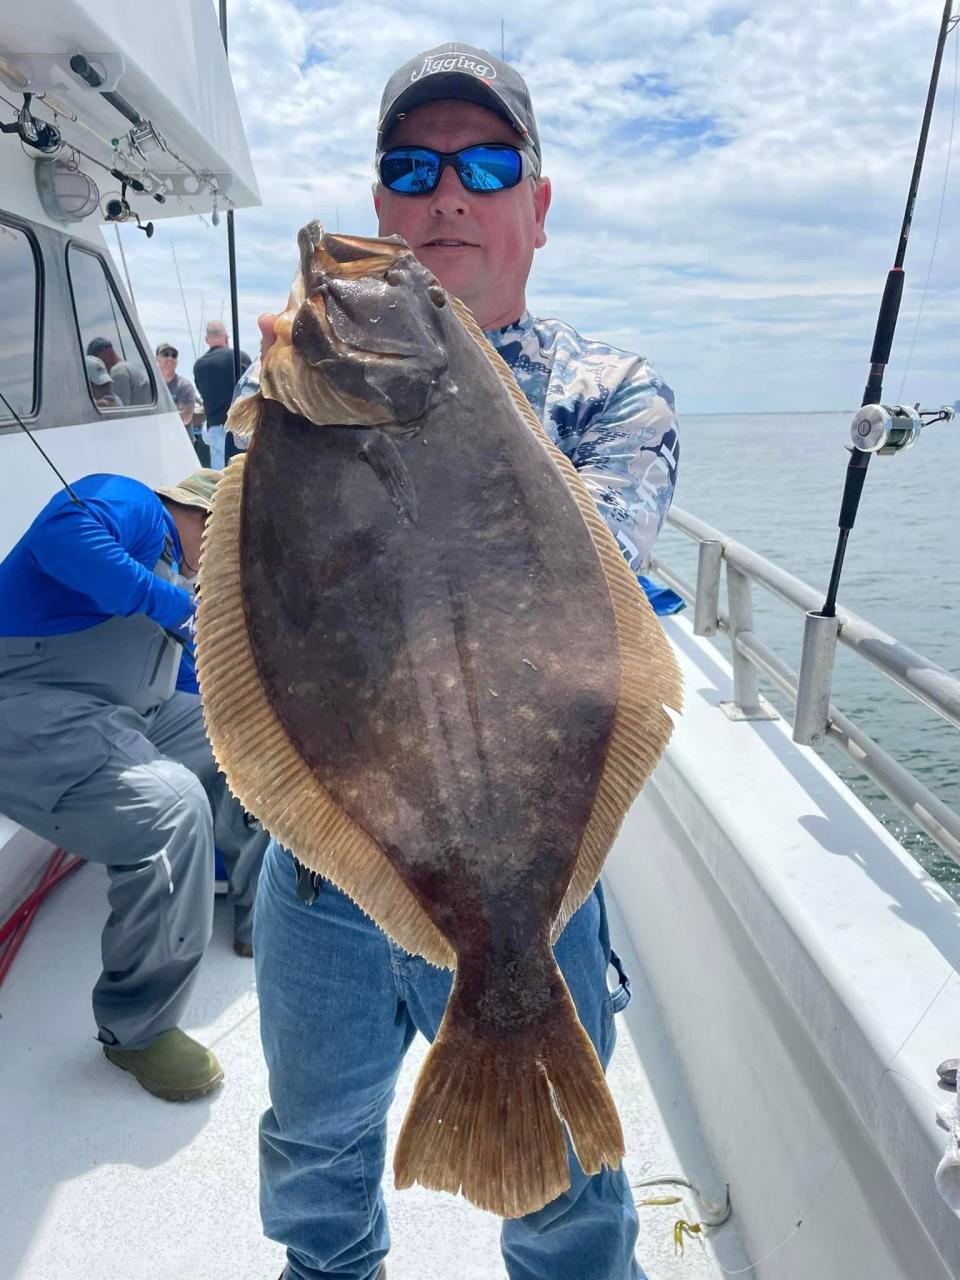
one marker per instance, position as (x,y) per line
(450,197)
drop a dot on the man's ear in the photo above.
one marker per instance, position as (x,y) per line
(542,194)
(376,198)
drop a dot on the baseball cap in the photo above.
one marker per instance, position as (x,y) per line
(167,346)
(459,71)
(195,491)
(96,345)
(97,372)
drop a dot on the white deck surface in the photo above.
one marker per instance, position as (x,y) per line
(98,1179)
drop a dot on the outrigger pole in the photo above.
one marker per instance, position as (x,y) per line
(231,241)
(877,428)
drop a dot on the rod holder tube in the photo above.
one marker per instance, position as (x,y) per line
(815,679)
(746,695)
(706,609)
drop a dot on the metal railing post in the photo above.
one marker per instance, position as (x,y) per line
(706,609)
(740,606)
(747,703)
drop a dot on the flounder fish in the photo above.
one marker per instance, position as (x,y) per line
(428,670)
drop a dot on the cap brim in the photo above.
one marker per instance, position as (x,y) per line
(449,84)
(186,498)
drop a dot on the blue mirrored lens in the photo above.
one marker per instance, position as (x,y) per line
(416,170)
(487,168)
(410,170)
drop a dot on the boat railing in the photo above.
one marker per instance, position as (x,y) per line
(751,657)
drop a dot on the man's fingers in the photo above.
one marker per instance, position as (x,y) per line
(268,331)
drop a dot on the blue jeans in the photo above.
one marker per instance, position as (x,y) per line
(339,1007)
(217,438)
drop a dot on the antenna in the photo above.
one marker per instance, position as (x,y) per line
(501,40)
(123,258)
(176,267)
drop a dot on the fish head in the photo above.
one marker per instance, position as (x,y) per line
(364,332)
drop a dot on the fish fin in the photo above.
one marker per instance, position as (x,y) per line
(650,678)
(244,415)
(263,767)
(487,1115)
(391,470)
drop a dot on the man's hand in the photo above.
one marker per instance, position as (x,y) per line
(268,334)
(186,630)
(268,321)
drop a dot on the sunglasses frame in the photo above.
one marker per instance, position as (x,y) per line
(528,166)
(168,351)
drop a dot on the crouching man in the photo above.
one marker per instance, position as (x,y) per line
(100,754)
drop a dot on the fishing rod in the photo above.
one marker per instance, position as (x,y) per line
(43,453)
(876,428)
(231,241)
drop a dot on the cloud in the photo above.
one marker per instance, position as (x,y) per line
(729,180)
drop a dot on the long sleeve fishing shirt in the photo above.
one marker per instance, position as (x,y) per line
(78,565)
(609,411)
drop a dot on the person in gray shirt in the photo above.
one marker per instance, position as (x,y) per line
(182,389)
(130,380)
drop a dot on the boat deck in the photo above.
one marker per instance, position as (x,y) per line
(99,1179)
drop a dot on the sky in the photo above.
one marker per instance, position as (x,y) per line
(729,181)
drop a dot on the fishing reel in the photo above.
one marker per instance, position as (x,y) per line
(886,429)
(118,210)
(33,132)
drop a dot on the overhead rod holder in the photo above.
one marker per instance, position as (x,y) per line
(85,71)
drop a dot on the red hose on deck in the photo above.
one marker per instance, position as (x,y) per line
(14,928)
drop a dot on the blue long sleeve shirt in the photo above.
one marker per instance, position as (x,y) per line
(78,565)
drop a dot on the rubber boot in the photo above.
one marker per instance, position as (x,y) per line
(174,1067)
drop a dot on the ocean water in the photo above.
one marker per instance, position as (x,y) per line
(774,482)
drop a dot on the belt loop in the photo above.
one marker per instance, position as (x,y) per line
(620,995)
(309,883)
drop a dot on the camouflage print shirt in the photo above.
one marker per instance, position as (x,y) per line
(610,413)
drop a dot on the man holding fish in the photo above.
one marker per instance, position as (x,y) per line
(459,179)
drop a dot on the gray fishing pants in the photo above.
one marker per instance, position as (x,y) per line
(150,807)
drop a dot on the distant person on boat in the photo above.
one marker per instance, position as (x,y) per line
(214,375)
(460,179)
(100,755)
(181,389)
(101,384)
(130,381)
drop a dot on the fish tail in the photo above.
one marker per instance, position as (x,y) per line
(487,1115)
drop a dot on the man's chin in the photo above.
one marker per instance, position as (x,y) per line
(457,276)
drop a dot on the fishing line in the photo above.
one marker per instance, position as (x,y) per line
(46,457)
(129,160)
(943,195)
(887,1070)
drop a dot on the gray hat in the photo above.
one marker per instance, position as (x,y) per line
(459,71)
(98,375)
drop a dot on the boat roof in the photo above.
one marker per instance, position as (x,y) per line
(168,64)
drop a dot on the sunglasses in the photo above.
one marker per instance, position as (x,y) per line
(487,166)
(167,351)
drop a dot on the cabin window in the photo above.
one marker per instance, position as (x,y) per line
(118,376)
(19,323)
